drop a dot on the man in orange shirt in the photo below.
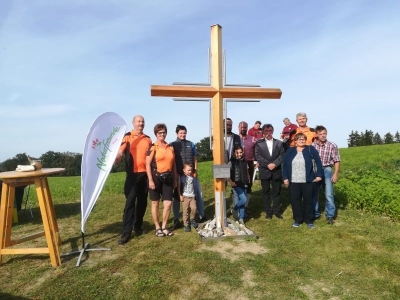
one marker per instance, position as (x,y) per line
(301,119)
(134,146)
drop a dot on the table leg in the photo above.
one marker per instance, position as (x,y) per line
(8,215)
(50,210)
(6,212)
(49,229)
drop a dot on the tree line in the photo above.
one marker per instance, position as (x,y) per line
(72,161)
(69,160)
(370,138)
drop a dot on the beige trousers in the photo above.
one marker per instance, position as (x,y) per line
(188,202)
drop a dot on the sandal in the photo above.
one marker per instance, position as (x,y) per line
(159,233)
(166,232)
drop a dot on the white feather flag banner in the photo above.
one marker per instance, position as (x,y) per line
(101,148)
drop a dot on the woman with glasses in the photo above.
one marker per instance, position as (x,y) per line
(161,171)
(299,174)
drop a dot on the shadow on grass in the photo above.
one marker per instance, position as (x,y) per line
(255,203)
(112,232)
(62,210)
(11,297)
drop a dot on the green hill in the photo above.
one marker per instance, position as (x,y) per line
(370,179)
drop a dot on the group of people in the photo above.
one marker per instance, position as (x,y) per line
(302,158)
(163,171)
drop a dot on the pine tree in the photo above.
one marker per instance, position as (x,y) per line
(377,140)
(368,136)
(357,139)
(351,140)
(397,137)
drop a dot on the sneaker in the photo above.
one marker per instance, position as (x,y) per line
(193,223)
(296,225)
(176,225)
(311,225)
(235,214)
(241,222)
(124,238)
(187,228)
(330,221)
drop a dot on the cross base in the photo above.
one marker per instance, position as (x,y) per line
(210,231)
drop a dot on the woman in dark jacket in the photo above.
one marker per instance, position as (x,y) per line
(239,180)
(299,175)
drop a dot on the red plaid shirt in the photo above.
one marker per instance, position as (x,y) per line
(328,152)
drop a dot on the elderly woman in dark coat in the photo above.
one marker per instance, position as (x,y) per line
(302,167)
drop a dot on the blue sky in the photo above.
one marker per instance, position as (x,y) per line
(63,63)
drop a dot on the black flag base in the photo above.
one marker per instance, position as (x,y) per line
(84,249)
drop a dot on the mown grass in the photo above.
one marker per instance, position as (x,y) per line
(357,258)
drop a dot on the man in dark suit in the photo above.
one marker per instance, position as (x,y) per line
(269,155)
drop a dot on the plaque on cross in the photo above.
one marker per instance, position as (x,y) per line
(217,91)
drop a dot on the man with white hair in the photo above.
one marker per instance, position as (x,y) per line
(287,133)
(301,119)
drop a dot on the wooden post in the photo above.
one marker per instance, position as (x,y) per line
(217,92)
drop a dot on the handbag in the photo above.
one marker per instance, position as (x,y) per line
(314,164)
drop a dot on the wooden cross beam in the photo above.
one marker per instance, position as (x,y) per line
(217,92)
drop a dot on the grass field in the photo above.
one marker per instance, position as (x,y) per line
(357,258)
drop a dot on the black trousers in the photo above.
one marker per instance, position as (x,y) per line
(251,168)
(135,190)
(302,201)
(273,197)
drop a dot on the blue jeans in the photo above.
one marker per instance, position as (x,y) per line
(327,185)
(176,204)
(240,204)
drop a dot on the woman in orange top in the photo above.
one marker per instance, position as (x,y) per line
(161,171)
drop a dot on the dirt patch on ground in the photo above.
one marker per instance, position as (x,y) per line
(247,278)
(232,250)
(317,290)
(199,282)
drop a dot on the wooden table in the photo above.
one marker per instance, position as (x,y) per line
(13,179)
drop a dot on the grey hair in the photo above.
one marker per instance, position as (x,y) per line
(301,114)
(286,119)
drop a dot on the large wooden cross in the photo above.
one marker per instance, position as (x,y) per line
(217,92)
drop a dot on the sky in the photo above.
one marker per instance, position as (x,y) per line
(64,63)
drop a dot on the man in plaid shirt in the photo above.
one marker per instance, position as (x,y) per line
(330,159)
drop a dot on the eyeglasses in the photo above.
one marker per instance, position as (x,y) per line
(162,132)
(301,140)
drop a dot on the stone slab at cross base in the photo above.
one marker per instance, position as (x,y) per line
(209,231)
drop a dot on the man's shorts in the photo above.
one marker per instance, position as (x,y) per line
(162,191)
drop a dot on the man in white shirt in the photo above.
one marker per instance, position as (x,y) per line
(269,155)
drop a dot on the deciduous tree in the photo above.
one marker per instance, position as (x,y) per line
(203,150)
